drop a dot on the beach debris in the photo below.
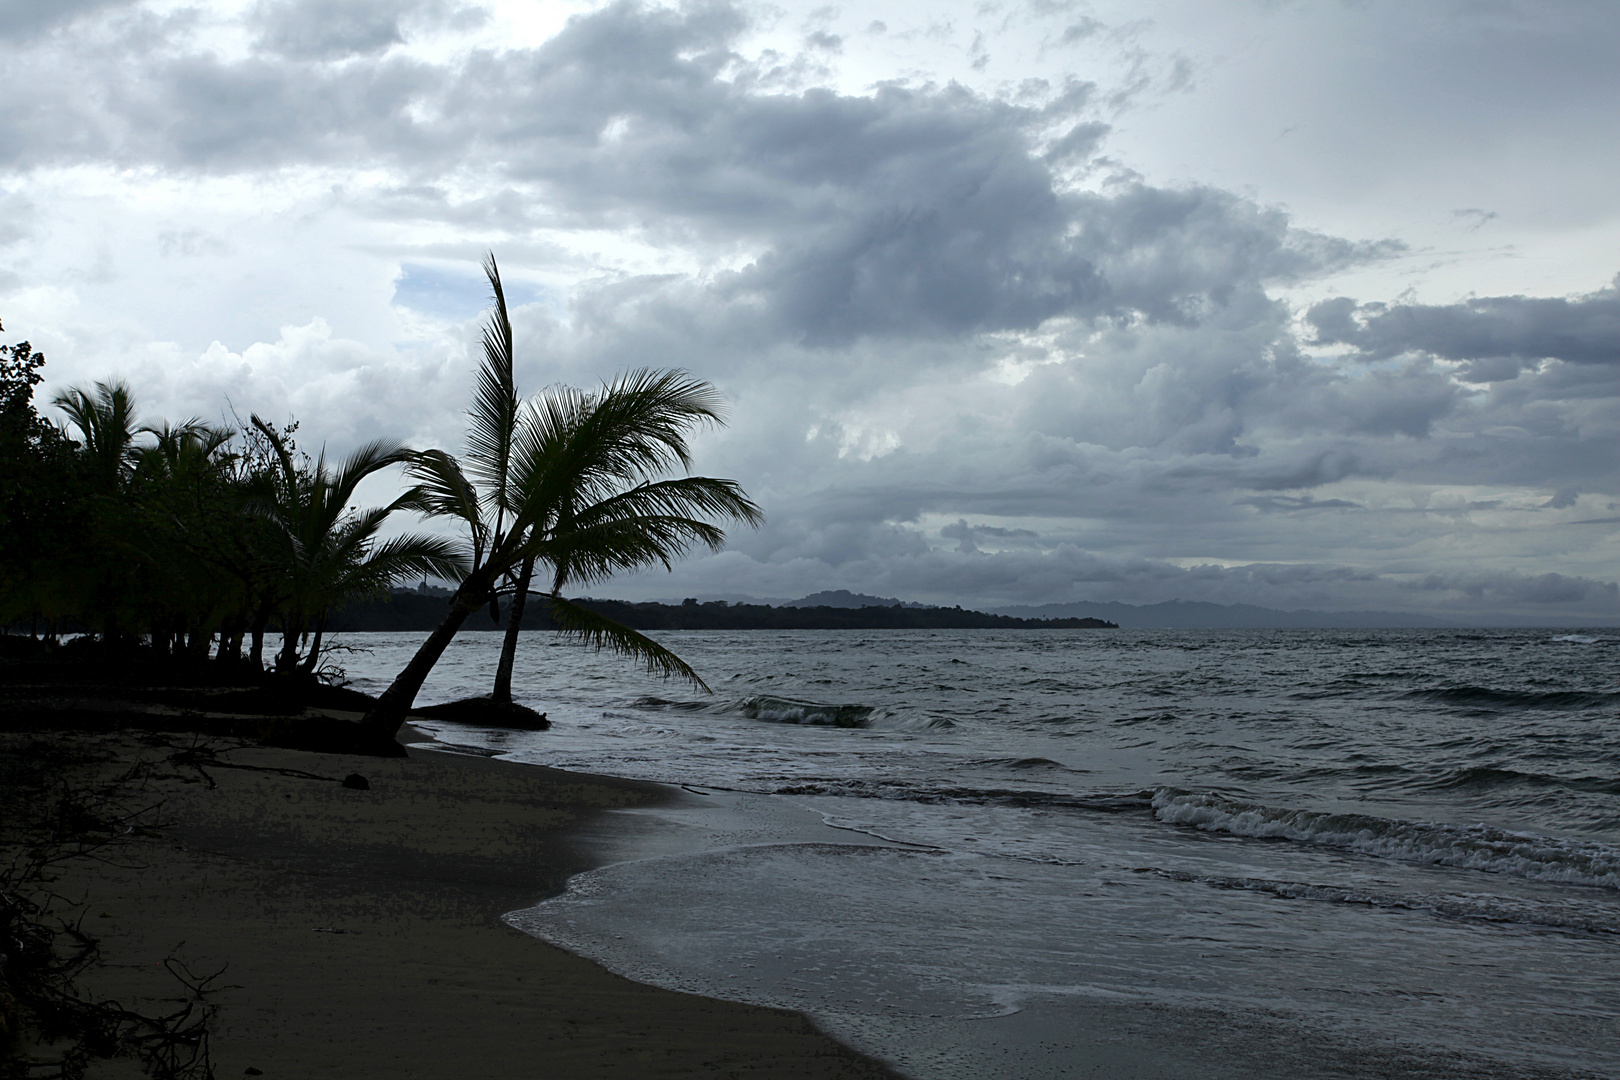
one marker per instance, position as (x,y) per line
(357,782)
(44,946)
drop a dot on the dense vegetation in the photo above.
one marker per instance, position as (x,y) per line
(192,538)
(407,610)
(197,540)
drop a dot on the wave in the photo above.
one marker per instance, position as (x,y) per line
(650,702)
(1021,763)
(784,710)
(1566,915)
(1471,847)
(789,711)
(1579,639)
(1521,699)
(1485,776)
(901,790)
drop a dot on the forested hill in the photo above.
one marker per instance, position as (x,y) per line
(420,611)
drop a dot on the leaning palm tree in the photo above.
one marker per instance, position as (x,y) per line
(583,498)
(491,435)
(329,553)
(482,496)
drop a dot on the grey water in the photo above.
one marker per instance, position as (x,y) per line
(1306,852)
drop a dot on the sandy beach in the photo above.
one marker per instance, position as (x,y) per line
(359,931)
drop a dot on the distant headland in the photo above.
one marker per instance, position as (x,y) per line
(423,608)
(840,609)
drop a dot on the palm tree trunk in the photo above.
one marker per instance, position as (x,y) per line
(228,633)
(287,659)
(389,713)
(315,646)
(502,694)
(256,646)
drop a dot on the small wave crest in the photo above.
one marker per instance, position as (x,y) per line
(784,710)
(1471,847)
(1514,699)
(1022,763)
(788,711)
(1563,915)
(1106,801)
(650,702)
(1487,776)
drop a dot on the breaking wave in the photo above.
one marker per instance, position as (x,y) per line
(789,711)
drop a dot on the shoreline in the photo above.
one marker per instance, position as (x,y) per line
(360,932)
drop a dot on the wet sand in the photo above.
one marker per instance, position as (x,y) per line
(360,931)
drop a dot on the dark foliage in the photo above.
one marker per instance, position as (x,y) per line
(191,538)
(405,611)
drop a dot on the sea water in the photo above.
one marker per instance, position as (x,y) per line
(1105,852)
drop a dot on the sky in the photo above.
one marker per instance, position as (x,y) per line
(1300,304)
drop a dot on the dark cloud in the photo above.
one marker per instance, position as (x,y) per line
(337,29)
(968,536)
(1497,336)
(328,29)
(24,19)
(902,212)
(1520,589)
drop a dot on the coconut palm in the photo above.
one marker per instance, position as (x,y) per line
(109,588)
(483,496)
(107,429)
(178,494)
(582,497)
(492,429)
(329,553)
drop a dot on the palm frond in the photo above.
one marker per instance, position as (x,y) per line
(443,490)
(594,628)
(493,415)
(641,419)
(684,496)
(106,423)
(373,457)
(544,451)
(412,555)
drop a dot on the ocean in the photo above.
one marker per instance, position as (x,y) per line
(1103,852)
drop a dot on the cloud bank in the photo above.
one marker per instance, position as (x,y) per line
(973,358)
